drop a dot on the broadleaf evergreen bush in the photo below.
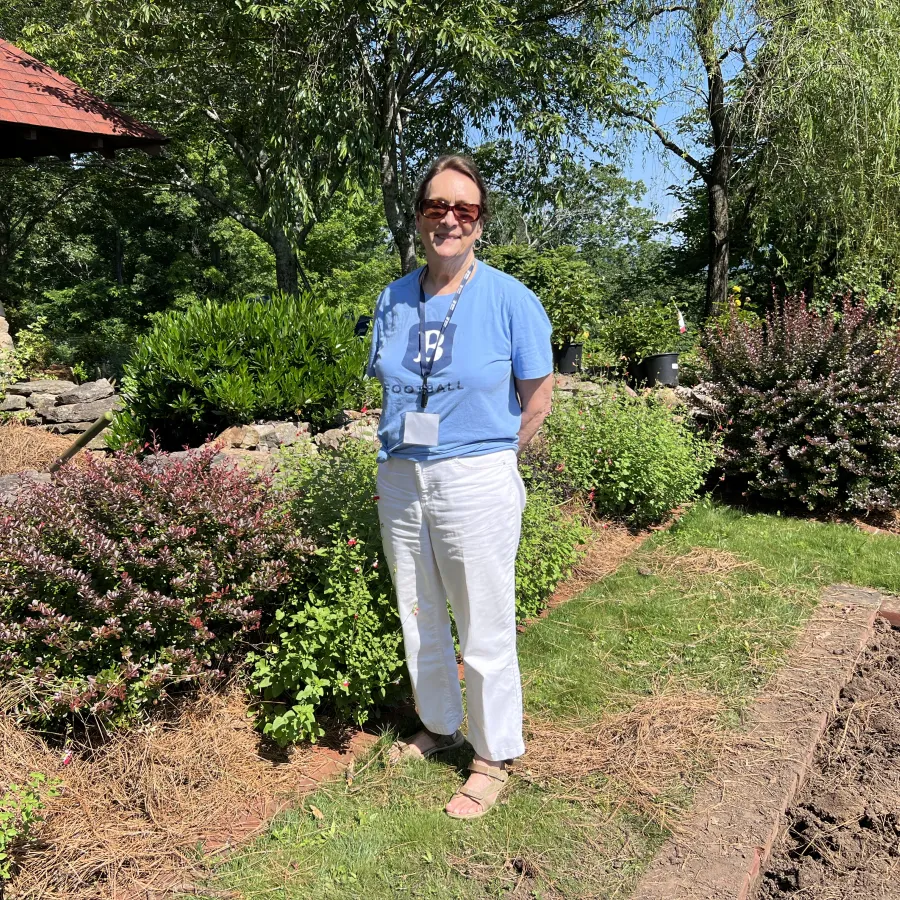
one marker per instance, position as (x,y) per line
(810,405)
(632,457)
(218,364)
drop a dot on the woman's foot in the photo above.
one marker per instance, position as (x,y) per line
(423,744)
(481,790)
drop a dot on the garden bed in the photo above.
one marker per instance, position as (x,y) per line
(842,836)
(143,813)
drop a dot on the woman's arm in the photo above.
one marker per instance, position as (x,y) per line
(535,398)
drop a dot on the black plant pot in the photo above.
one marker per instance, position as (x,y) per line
(660,369)
(567,358)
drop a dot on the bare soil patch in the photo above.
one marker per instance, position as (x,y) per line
(842,837)
(22,447)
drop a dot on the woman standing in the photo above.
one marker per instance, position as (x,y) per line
(463,354)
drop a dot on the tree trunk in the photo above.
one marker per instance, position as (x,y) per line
(120,259)
(719,174)
(719,241)
(286,266)
(401,221)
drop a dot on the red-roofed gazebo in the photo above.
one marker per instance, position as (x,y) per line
(44,114)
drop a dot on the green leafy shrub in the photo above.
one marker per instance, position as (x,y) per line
(21,807)
(11,370)
(548,549)
(564,282)
(118,582)
(337,643)
(641,332)
(810,406)
(219,364)
(632,457)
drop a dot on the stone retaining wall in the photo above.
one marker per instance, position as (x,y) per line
(62,407)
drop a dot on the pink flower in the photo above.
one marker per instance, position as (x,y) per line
(375,564)
(67,758)
(365,409)
(351,542)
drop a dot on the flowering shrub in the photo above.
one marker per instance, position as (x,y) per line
(336,641)
(631,456)
(117,582)
(810,406)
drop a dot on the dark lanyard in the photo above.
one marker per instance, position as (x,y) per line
(426,365)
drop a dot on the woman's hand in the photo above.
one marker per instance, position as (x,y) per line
(536,399)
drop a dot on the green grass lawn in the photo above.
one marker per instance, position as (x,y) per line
(654,625)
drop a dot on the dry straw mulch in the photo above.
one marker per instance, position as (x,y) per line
(132,811)
(698,561)
(609,545)
(22,447)
(632,757)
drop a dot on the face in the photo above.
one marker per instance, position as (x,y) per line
(446,239)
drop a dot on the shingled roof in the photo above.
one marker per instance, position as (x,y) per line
(44,114)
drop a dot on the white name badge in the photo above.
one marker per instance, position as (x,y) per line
(421,429)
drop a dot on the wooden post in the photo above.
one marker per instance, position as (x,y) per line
(83,440)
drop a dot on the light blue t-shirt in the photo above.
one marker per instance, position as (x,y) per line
(499,331)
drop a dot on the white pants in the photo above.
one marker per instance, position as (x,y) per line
(451,530)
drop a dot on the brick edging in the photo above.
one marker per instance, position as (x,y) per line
(723,844)
(890,609)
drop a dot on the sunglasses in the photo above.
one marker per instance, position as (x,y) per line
(437,209)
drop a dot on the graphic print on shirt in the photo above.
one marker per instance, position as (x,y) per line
(437,346)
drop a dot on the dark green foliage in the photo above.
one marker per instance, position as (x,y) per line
(221,364)
(810,406)
(631,456)
(564,283)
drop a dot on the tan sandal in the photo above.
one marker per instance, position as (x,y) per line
(402,750)
(487,797)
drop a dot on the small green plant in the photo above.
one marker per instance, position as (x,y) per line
(80,372)
(11,370)
(33,347)
(336,639)
(641,332)
(631,456)
(20,811)
(548,549)
(218,364)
